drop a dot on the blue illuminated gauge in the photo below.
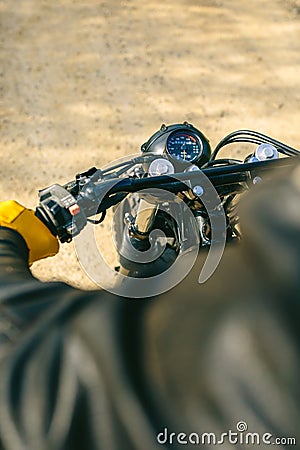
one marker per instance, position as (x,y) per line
(184,146)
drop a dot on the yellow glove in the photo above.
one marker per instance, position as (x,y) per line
(40,241)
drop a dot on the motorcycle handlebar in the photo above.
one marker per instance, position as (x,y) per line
(217,175)
(66,214)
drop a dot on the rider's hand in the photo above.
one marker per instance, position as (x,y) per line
(39,240)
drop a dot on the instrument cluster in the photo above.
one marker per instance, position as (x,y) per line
(182,144)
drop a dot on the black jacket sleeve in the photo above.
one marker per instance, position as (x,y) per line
(228,351)
(23,298)
(66,359)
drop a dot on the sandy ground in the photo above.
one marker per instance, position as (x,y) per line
(86,82)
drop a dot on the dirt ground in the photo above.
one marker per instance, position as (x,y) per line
(86,82)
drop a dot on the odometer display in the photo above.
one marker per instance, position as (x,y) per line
(183,146)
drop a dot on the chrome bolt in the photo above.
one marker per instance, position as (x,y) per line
(198,190)
(257,180)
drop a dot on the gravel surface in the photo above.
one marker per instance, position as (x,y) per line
(86,82)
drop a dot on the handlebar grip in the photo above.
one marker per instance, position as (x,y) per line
(41,214)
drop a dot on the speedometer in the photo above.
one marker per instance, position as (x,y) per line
(182,143)
(184,146)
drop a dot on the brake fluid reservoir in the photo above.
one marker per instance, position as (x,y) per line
(265,152)
(160,166)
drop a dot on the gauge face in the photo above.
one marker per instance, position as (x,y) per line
(183,146)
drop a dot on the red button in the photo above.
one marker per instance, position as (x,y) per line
(74,209)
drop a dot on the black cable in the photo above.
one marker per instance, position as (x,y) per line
(253,137)
(96,222)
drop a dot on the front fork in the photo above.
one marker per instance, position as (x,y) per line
(158,233)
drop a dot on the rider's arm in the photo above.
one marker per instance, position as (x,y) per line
(63,378)
(23,240)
